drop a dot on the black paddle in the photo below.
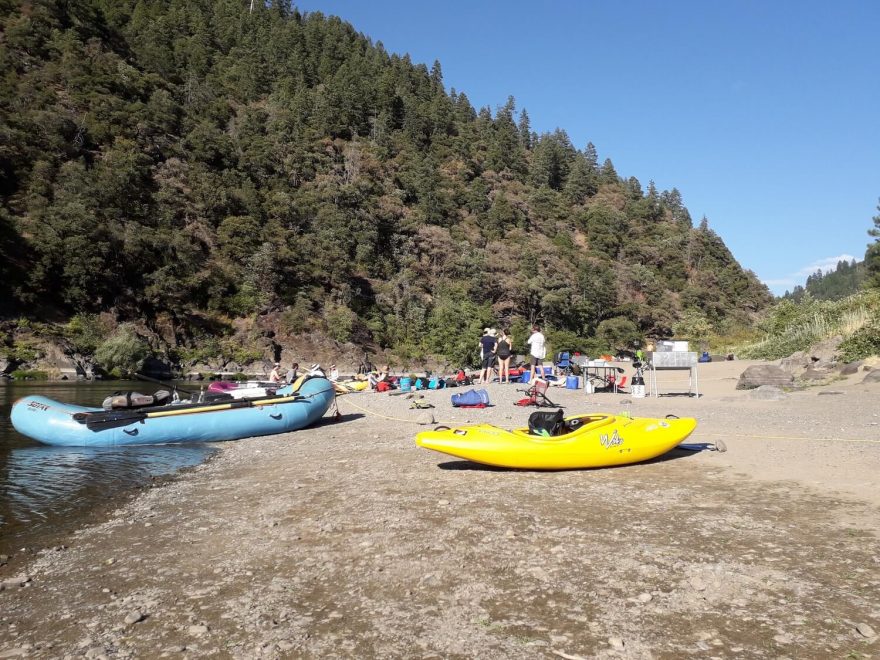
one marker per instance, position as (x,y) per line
(172,386)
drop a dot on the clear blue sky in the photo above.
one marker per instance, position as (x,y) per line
(764,114)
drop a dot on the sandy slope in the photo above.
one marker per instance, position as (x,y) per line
(346,540)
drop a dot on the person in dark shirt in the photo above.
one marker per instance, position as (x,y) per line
(488,346)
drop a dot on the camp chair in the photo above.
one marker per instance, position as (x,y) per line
(536,395)
(621,384)
(563,363)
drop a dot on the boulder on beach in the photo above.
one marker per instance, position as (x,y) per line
(851,368)
(764,374)
(816,373)
(872,376)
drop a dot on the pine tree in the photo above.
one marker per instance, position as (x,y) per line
(436,77)
(581,182)
(608,174)
(592,157)
(504,149)
(525,130)
(872,255)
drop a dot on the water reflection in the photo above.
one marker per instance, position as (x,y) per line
(46,491)
(41,486)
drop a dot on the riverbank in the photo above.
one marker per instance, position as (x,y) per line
(346,540)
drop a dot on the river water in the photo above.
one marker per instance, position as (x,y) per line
(46,492)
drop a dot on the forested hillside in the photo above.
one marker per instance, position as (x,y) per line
(186,163)
(847,278)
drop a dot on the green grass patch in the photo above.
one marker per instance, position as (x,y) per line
(29,374)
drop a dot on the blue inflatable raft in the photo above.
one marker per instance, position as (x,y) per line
(55,423)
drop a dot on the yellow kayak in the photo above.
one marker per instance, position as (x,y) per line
(587,441)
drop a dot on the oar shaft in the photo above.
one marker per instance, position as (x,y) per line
(241,403)
(121,416)
(150,379)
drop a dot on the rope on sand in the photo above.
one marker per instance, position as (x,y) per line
(721,435)
(393,419)
(788,437)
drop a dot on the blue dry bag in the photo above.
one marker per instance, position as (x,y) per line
(471,399)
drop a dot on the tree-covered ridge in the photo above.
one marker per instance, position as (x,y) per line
(845,280)
(187,160)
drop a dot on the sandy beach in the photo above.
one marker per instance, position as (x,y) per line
(346,540)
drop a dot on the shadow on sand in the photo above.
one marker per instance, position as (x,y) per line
(676,453)
(332,421)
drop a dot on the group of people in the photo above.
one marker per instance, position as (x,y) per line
(496,351)
(289,376)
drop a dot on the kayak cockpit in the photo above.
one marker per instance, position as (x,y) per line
(558,427)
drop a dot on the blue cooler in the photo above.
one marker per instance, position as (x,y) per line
(572,382)
(405,384)
(526,375)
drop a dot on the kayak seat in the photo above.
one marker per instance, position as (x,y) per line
(547,424)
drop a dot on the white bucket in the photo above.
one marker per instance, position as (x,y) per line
(637,389)
(588,386)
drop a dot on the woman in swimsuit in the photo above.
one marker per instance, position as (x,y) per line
(505,344)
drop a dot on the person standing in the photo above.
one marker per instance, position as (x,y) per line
(488,345)
(505,348)
(537,349)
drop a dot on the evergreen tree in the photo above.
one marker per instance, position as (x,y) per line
(581,182)
(872,255)
(592,157)
(525,130)
(608,174)
(504,150)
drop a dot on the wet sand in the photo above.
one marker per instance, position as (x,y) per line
(346,540)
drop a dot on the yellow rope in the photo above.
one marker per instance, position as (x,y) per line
(721,435)
(394,419)
(789,437)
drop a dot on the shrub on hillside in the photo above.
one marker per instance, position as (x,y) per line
(122,353)
(863,343)
(791,327)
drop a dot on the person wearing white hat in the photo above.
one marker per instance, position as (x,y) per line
(315,370)
(275,374)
